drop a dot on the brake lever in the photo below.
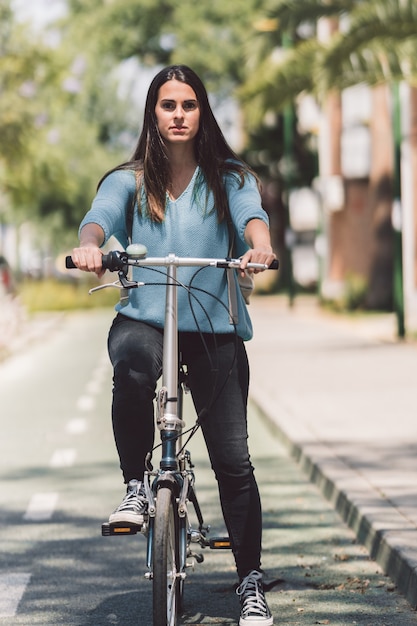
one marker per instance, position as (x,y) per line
(121,283)
(126,283)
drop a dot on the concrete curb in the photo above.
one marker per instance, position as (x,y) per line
(377,524)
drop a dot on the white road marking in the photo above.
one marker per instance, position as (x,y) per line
(105,360)
(64,457)
(17,367)
(94,387)
(103,368)
(12,588)
(85,403)
(41,507)
(100,374)
(76,426)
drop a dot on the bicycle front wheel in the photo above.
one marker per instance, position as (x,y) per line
(165,560)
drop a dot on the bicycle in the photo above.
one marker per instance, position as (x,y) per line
(170,488)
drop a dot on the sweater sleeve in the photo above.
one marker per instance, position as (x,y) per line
(245,204)
(109,207)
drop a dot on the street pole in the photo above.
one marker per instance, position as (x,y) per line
(398,278)
(288,150)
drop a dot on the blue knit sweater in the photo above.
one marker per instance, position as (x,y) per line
(190,229)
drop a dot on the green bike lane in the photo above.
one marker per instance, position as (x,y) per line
(59,480)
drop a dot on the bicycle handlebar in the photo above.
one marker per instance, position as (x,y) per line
(117,261)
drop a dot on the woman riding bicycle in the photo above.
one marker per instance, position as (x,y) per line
(189,190)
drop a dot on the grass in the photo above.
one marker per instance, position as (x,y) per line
(54,295)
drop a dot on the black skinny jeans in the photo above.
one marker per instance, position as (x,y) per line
(135,351)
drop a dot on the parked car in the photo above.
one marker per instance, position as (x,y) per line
(6,277)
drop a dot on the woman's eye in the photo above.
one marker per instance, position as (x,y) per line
(186,106)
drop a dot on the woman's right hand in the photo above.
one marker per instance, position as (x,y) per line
(89,259)
(88,256)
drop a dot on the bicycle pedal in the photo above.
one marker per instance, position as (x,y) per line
(108,530)
(220,543)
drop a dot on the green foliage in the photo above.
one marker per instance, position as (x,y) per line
(376,44)
(124,28)
(380,45)
(213,38)
(355,290)
(22,70)
(278,81)
(354,294)
(54,295)
(60,126)
(208,35)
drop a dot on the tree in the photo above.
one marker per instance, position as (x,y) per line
(380,45)
(61,125)
(207,35)
(377,44)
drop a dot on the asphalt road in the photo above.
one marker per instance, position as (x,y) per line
(59,480)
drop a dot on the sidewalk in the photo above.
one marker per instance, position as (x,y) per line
(343,397)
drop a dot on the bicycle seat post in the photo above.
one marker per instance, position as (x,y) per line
(168,421)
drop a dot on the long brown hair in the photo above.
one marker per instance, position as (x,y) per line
(212,152)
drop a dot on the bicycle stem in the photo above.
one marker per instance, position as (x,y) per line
(169,373)
(168,421)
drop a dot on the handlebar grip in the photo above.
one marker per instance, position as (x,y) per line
(274,265)
(113,261)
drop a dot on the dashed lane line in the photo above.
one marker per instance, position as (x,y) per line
(77,426)
(12,588)
(63,457)
(93,387)
(86,403)
(41,507)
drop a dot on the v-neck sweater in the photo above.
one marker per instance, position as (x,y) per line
(190,229)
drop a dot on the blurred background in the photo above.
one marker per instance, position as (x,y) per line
(317,96)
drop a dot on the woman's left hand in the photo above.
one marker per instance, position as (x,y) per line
(260,254)
(258,238)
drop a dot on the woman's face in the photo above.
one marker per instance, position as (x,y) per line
(177,112)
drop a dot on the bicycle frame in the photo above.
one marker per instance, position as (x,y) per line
(170,423)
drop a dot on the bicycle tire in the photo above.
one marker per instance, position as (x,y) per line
(166,586)
(183,547)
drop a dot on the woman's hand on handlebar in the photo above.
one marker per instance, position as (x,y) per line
(260,254)
(88,256)
(89,259)
(258,238)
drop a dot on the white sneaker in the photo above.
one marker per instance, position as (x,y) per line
(133,506)
(254,609)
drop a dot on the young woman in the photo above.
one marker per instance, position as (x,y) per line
(189,190)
